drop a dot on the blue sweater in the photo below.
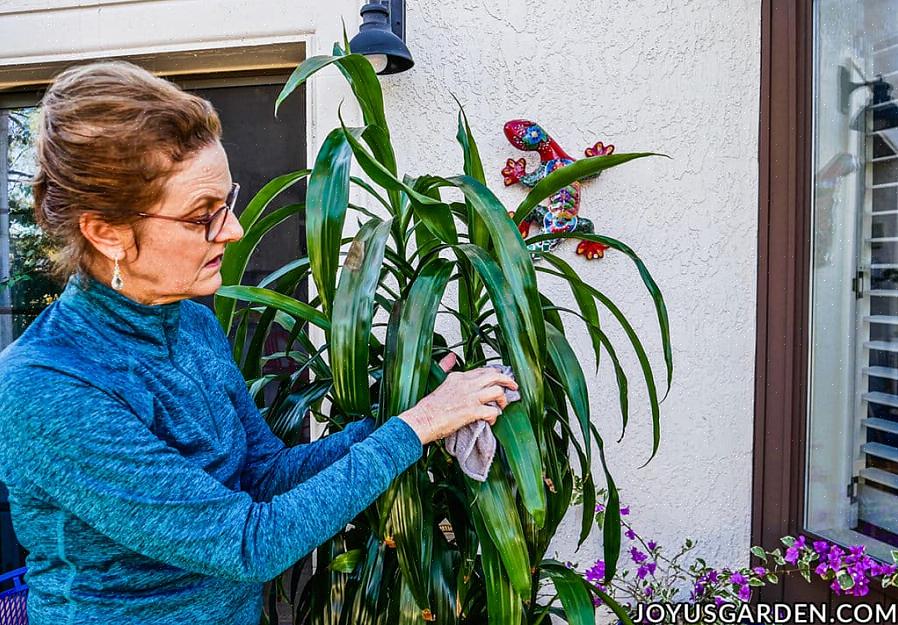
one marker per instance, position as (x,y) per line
(143,480)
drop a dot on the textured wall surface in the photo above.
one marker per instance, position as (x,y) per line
(676,77)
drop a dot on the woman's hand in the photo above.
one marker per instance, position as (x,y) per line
(459,400)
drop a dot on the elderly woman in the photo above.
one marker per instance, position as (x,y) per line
(143,480)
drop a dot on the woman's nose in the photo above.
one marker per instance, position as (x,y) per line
(231,231)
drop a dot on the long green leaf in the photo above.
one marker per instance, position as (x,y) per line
(409,365)
(327,200)
(563,176)
(351,319)
(651,286)
(503,602)
(513,257)
(567,367)
(637,347)
(289,305)
(235,259)
(515,433)
(496,504)
(357,69)
(524,363)
(572,591)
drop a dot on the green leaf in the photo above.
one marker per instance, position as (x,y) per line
(496,505)
(788,540)
(407,361)
(760,553)
(411,532)
(473,168)
(352,314)
(513,257)
(357,70)
(346,562)
(648,281)
(503,602)
(573,592)
(846,582)
(518,345)
(566,365)
(235,258)
(564,176)
(289,305)
(327,200)
(634,340)
(515,434)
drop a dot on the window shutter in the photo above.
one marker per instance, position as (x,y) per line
(877,464)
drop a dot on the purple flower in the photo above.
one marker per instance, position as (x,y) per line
(652,566)
(596,573)
(600,507)
(630,534)
(792,555)
(648,590)
(821,546)
(637,556)
(760,570)
(652,545)
(718,601)
(738,578)
(744,592)
(642,571)
(712,576)
(596,601)
(625,511)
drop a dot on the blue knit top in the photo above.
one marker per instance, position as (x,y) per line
(143,480)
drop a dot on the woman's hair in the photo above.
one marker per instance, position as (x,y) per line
(110,133)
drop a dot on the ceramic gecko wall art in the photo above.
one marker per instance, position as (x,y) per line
(561,212)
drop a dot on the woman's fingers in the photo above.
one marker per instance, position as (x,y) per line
(493,393)
(490,376)
(448,361)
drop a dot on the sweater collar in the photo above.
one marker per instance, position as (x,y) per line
(156,324)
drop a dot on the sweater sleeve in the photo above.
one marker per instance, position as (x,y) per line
(97,459)
(272,468)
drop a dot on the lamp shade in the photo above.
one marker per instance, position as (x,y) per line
(376,39)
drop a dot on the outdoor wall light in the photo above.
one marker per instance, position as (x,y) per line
(381,37)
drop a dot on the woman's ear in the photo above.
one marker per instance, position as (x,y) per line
(110,241)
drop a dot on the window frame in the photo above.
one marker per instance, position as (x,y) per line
(783,321)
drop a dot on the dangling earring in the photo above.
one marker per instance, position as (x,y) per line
(117,282)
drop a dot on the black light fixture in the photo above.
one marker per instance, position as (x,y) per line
(381,37)
(883,107)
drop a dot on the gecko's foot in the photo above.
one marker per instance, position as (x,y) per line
(513,171)
(523,227)
(591,250)
(599,149)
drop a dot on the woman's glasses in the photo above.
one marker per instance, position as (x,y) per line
(213,222)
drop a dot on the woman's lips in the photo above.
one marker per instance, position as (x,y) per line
(215,262)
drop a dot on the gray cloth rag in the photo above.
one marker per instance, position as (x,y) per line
(474,445)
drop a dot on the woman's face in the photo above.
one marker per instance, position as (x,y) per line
(176,261)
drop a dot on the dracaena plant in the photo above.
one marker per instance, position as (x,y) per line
(437,546)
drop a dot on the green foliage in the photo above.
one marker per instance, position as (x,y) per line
(437,545)
(30,283)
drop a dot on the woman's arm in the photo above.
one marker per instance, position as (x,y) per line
(272,468)
(95,458)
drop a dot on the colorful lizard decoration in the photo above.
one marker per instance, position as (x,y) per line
(561,214)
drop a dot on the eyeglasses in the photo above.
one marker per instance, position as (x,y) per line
(214,222)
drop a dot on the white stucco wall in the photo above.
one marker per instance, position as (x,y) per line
(675,76)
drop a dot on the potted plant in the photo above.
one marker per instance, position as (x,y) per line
(437,546)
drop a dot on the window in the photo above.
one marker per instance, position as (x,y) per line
(852,430)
